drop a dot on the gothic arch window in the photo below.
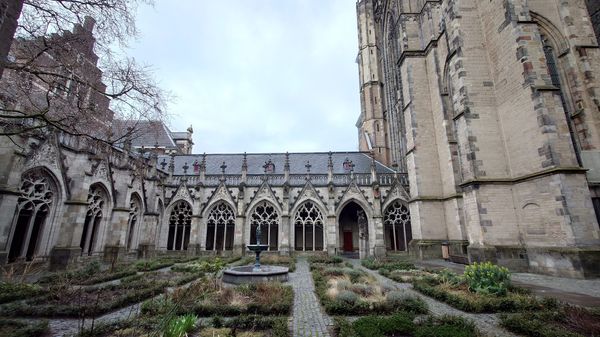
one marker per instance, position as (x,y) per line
(96,202)
(308,227)
(35,206)
(396,222)
(265,215)
(135,206)
(220,227)
(180,223)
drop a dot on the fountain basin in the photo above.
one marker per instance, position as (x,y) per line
(248,274)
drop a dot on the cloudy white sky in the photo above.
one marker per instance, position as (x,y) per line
(256,75)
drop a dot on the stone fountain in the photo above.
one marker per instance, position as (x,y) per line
(256,273)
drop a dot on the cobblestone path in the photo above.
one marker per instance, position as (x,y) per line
(488,324)
(308,318)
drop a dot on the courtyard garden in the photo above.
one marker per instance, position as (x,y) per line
(174,297)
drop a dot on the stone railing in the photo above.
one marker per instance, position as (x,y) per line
(362,179)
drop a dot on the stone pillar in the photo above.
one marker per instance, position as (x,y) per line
(239,243)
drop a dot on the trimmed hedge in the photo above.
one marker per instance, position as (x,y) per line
(14,328)
(387,265)
(402,324)
(566,321)
(18,291)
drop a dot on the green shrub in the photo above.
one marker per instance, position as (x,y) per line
(217,322)
(157,306)
(14,328)
(17,291)
(487,278)
(387,265)
(347,297)
(564,322)
(446,326)
(399,301)
(180,326)
(449,277)
(376,326)
(342,327)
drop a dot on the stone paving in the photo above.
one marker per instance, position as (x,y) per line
(308,318)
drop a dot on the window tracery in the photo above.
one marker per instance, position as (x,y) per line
(37,194)
(134,213)
(220,227)
(397,226)
(308,224)
(180,222)
(265,215)
(96,201)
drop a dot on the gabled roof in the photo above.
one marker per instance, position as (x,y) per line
(318,162)
(146,133)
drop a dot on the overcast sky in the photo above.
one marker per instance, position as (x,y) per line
(256,75)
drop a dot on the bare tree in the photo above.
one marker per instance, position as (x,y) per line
(59,75)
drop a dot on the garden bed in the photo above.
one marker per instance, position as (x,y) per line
(483,288)
(18,291)
(208,297)
(563,321)
(388,264)
(348,291)
(403,324)
(13,328)
(84,302)
(93,273)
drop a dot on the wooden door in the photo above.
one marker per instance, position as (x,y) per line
(348,247)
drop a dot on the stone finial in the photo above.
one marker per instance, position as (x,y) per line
(223,167)
(185,168)
(286,166)
(163,164)
(308,166)
(330,161)
(172,163)
(203,163)
(245,162)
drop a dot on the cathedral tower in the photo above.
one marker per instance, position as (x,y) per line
(371,123)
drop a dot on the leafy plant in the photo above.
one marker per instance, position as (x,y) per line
(180,326)
(487,278)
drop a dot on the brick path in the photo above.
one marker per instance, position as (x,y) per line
(308,318)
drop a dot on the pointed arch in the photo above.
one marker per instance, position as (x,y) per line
(354,228)
(396,226)
(309,224)
(98,209)
(34,214)
(220,227)
(180,223)
(134,221)
(264,216)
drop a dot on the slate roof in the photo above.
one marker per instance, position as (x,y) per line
(256,161)
(148,133)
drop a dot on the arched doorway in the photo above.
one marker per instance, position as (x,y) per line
(397,230)
(220,228)
(353,231)
(180,223)
(35,207)
(96,202)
